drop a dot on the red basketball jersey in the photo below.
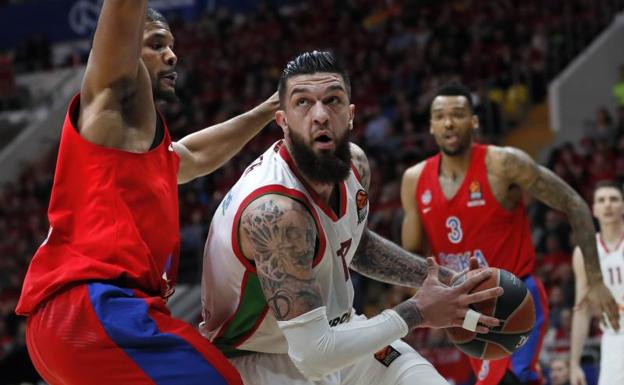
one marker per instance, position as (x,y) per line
(113,217)
(473,223)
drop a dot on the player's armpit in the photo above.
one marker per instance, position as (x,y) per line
(279,234)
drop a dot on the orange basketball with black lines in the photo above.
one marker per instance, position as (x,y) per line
(515,309)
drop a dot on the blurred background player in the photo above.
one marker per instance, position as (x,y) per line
(559,372)
(277,294)
(608,208)
(95,291)
(467,201)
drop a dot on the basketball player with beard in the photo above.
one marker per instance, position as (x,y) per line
(608,208)
(466,202)
(276,291)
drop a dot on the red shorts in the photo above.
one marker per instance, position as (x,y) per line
(98,333)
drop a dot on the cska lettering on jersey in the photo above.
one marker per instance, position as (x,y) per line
(459,261)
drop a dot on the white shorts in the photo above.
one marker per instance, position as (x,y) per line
(399,364)
(611,359)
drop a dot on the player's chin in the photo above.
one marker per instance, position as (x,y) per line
(166,94)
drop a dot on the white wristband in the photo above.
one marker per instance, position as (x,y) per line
(471,320)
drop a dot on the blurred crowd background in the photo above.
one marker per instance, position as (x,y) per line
(397,54)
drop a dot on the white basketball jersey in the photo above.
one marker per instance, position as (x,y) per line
(612,266)
(236,315)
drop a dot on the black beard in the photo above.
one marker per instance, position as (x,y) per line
(458,151)
(325,167)
(161,95)
(464,145)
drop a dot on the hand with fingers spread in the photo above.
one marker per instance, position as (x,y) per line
(473,265)
(439,306)
(600,296)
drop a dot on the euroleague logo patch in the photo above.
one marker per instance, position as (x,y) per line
(387,355)
(361,203)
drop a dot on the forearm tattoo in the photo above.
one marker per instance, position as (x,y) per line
(410,313)
(283,237)
(554,192)
(382,260)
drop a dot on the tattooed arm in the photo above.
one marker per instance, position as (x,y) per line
(545,186)
(279,234)
(382,260)
(360,162)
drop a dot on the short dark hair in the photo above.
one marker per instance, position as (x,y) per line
(454,89)
(609,184)
(309,63)
(153,15)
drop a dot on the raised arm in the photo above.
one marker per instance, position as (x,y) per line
(548,188)
(412,234)
(114,59)
(206,150)
(580,321)
(116,101)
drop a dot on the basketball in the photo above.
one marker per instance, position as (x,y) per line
(515,309)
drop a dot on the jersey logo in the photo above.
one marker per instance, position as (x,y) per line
(361,203)
(523,340)
(425,198)
(456,234)
(475,197)
(342,254)
(460,261)
(387,355)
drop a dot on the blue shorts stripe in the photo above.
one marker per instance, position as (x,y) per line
(166,358)
(522,359)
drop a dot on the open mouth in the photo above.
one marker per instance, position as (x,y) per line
(323,139)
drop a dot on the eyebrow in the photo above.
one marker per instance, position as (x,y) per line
(160,35)
(453,108)
(302,89)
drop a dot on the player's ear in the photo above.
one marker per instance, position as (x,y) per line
(475,122)
(280,119)
(351,115)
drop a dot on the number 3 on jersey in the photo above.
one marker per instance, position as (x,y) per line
(456,234)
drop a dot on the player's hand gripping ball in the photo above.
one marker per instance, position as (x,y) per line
(515,309)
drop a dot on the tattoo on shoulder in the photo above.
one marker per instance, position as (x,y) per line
(283,236)
(361,164)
